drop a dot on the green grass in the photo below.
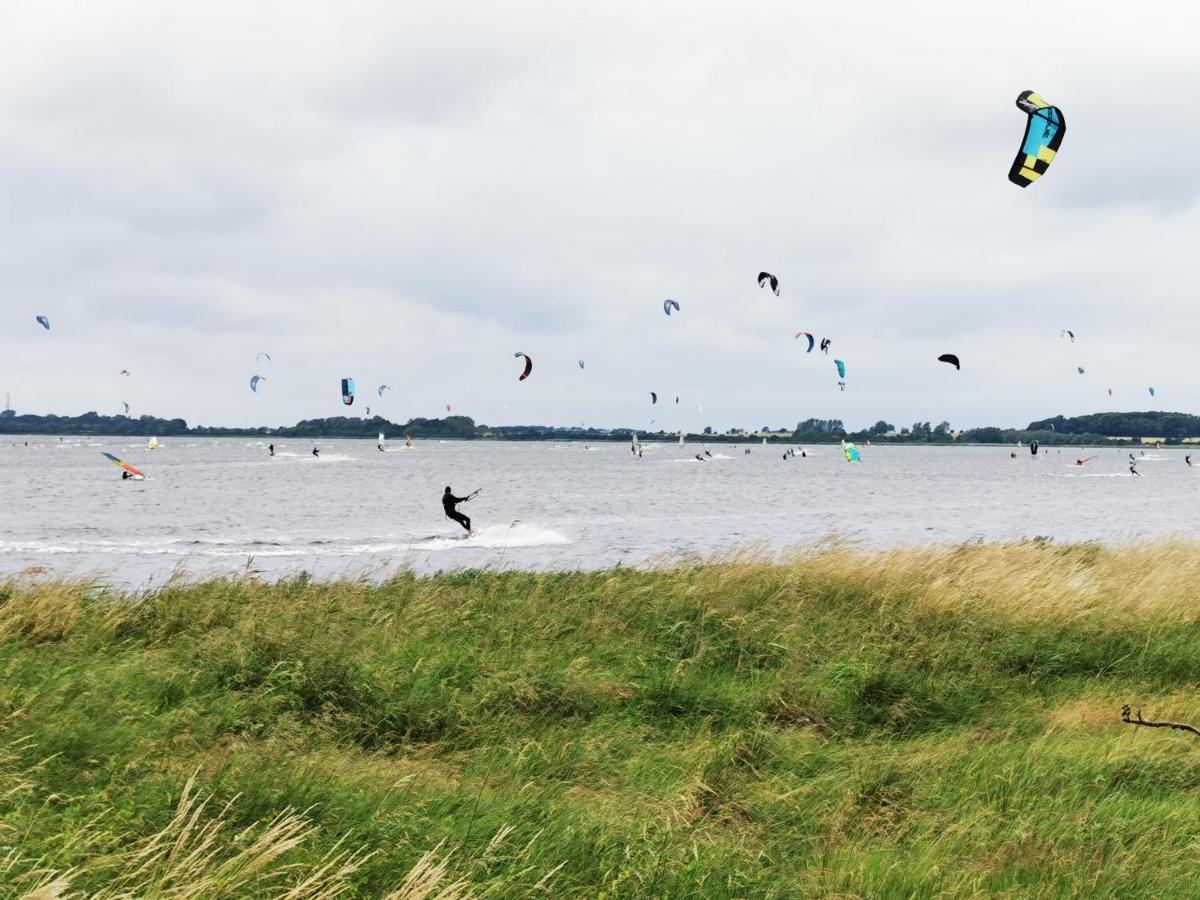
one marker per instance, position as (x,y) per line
(915,723)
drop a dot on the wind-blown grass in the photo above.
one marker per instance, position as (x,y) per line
(919,722)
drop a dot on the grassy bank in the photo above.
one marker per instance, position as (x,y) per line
(891,724)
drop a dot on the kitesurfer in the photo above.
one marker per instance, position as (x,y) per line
(1188,459)
(125,475)
(270,449)
(708,454)
(449,501)
(1133,470)
(699,458)
(316,452)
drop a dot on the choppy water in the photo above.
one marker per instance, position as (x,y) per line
(223,505)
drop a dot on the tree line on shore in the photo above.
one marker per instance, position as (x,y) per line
(1097,428)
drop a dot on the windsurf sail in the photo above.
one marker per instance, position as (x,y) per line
(851,452)
(121,464)
(152,444)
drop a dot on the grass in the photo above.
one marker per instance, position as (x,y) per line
(941,722)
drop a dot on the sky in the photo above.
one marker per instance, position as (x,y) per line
(410,193)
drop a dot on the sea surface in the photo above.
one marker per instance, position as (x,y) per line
(224,506)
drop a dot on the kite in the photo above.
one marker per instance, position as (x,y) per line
(667,306)
(254,380)
(126,405)
(348,391)
(383,387)
(125,372)
(447,407)
(367,411)
(1079,369)
(528,365)
(841,367)
(653,398)
(1044,130)
(262,356)
(765,278)
(43,321)
(1151,392)
(1110,392)
(811,342)
(581,364)
(121,464)
(1067,332)
(825,342)
(949,358)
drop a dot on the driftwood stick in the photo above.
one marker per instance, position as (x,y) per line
(1177,726)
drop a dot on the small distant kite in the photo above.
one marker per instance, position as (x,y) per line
(348,391)
(1151,392)
(765,278)
(383,387)
(1110,392)
(367,411)
(825,342)
(125,372)
(43,321)
(581,364)
(254,380)
(1068,333)
(262,356)
(668,305)
(126,405)
(811,342)
(528,365)
(653,398)
(1079,369)
(447,407)
(951,359)
(1044,130)
(841,367)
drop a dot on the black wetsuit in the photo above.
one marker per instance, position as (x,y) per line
(449,501)
(271,449)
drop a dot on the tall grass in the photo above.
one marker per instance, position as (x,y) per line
(918,722)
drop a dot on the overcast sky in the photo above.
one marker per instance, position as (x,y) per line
(411,192)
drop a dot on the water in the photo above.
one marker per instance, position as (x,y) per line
(222,505)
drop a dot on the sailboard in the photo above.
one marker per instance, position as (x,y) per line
(121,464)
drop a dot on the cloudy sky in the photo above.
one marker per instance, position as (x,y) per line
(411,192)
